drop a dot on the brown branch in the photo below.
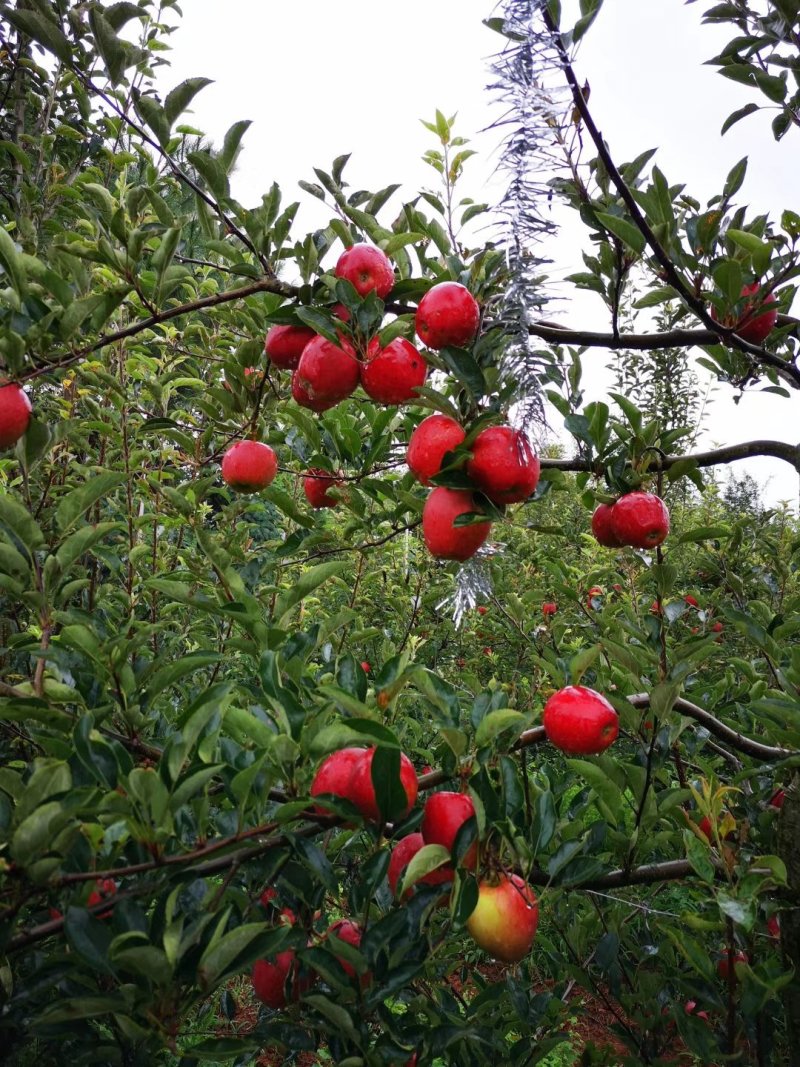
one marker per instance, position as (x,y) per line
(684,290)
(264,285)
(748,745)
(712,458)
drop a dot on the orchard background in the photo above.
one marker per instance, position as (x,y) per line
(177,658)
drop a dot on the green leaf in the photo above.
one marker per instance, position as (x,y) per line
(736,116)
(45,31)
(497,722)
(625,230)
(235,950)
(305,584)
(704,533)
(16,520)
(179,98)
(112,49)
(428,858)
(11,261)
(232,143)
(80,499)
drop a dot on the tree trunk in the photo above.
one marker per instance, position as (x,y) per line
(789,851)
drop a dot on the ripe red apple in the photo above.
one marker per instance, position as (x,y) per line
(774,927)
(428,444)
(777,798)
(482,609)
(104,888)
(284,345)
(362,791)
(753,328)
(690,1007)
(335,774)
(503,465)
(690,600)
(640,520)
(505,918)
(602,528)
(276,980)
(367,268)
(316,485)
(443,816)
(365,666)
(723,964)
(706,827)
(443,539)
(448,314)
(248,466)
(580,721)
(717,628)
(325,375)
(402,854)
(15,414)
(549,608)
(392,375)
(595,591)
(341,312)
(269,900)
(350,933)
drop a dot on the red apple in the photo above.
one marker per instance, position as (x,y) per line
(392,375)
(601,526)
(443,539)
(690,600)
(276,981)
(341,312)
(350,933)
(505,918)
(269,900)
(482,609)
(753,328)
(690,1007)
(15,414)
(316,484)
(717,628)
(402,854)
(777,798)
(774,927)
(580,721)
(284,345)
(367,268)
(325,375)
(549,608)
(594,592)
(706,827)
(335,774)
(435,436)
(104,888)
(723,964)
(503,465)
(443,816)
(365,666)
(362,791)
(448,314)
(249,466)
(640,520)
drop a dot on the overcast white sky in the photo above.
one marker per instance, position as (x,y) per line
(319,80)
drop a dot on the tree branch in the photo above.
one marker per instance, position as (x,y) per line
(729,454)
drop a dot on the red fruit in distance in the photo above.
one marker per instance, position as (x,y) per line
(723,964)
(362,791)
(326,374)
(104,888)
(335,774)
(448,314)
(392,375)
(443,816)
(428,444)
(249,466)
(601,527)
(350,933)
(316,485)
(777,798)
(503,465)
(717,628)
(774,927)
(690,1007)
(753,328)
(402,854)
(15,414)
(580,721)
(504,920)
(341,312)
(274,978)
(595,591)
(284,345)
(366,268)
(549,608)
(482,609)
(443,539)
(690,600)
(640,520)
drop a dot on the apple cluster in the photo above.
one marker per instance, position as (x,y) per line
(638,519)
(502,466)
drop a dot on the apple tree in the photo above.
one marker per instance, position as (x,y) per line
(342,713)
